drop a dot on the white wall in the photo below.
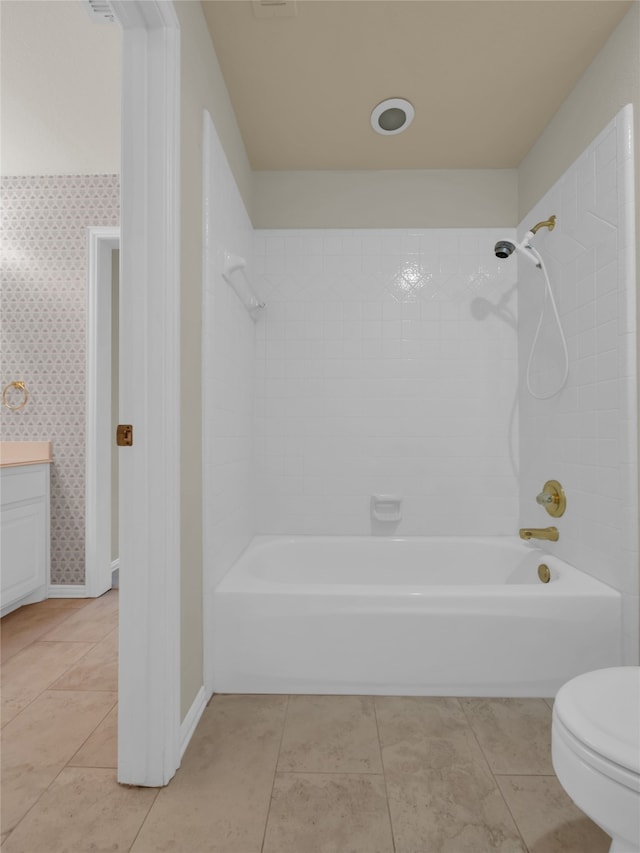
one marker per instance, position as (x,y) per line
(386,363)
(202,87)
(586,436)
(228,371)
(60,90)
(611,81)
(398,198)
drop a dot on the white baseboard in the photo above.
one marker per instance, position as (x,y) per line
(68,590)
(38,594)
(191,720)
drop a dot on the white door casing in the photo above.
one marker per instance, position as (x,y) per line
(149,666)
(102,242)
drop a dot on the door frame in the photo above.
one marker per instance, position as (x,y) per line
(98,564)
(149,665)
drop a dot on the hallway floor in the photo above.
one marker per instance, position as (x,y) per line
(267,774)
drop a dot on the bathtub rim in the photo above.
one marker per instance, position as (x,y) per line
(570,580)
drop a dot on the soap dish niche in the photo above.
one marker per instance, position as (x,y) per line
(386,508)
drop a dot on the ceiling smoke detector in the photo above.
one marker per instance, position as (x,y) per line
(392,116)
(100,11)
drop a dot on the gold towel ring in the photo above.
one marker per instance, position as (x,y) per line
(21,387)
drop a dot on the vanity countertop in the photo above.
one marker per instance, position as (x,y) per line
(13,453)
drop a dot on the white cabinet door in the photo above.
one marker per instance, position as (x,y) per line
(24,543)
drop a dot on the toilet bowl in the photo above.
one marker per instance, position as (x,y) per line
(595,748)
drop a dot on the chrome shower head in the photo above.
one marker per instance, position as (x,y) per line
(504,248)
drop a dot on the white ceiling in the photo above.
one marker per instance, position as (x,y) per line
(484,76)
(60,90)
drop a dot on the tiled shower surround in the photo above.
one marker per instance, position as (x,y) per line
(393,362)
(386,364)
(586,436)
(43,240)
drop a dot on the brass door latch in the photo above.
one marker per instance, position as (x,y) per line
(124,435)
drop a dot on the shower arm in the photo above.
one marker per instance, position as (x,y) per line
(549,223)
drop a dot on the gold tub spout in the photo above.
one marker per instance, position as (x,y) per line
(550,533)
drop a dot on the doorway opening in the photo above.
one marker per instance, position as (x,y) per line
(102,556)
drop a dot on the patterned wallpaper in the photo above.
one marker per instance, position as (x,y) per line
(43,268)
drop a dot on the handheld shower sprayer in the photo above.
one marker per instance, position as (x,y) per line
(503,250)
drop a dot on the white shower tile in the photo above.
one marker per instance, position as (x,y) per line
(592,470)
(606,149)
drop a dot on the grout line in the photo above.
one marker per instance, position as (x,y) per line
(275,771)
(473,732)
(493,776)
(384,776)
(144,819)
(50,687)
(81,689)
(93,730)
(532,775)
(93,642)
(39,639)
(330,773)
(32,806)
(47,689)
(513,817)
(49,786)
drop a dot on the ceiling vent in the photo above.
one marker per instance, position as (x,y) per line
(100,11)
(275,8)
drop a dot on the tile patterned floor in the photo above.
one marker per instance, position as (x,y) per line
(267,774)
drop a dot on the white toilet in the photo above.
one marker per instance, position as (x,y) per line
(595,745)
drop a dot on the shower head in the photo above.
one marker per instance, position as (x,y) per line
(505,248)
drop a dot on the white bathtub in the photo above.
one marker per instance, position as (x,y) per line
(415,616)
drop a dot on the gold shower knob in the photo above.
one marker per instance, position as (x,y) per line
(553,498)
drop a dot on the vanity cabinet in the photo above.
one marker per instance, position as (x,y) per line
(25,540)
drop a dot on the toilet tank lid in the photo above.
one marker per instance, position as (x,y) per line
(602,709)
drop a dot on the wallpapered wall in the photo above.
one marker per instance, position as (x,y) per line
(43,266)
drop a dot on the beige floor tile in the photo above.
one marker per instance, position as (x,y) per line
(328,813)
(91,624)
(98,669)
(442,795)
(330,734)
(548,819)
(32,670)
(451,810)
(515,734)
(38,743)
(219,799)
(29,624)
(424,732)
(101,747)
(83,810)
